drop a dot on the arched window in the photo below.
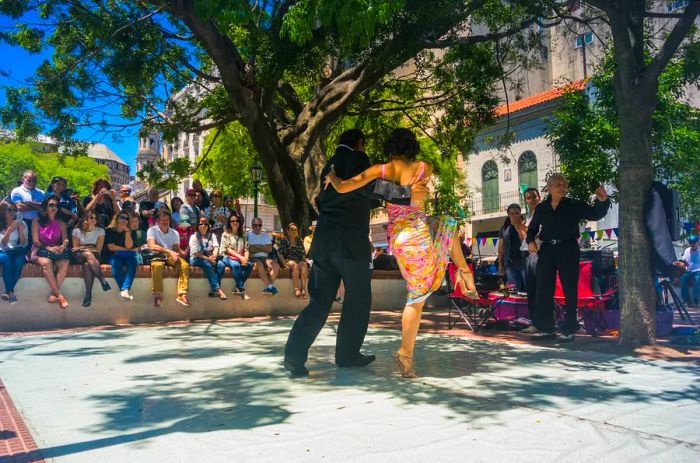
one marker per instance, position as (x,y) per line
(527,169)
(489,187)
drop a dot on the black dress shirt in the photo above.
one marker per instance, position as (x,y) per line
(562,223)
(343,218)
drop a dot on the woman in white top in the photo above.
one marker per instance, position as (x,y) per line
(14,236)
(234,252)
(204,253)
(88,240)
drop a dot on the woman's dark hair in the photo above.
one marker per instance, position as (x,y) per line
(55,179)
(83,220)
(228,228)
(402,142)
(511,207)
(4,206)
(351,137)
(178,199)
(43,216)
(531,190)
(100,181)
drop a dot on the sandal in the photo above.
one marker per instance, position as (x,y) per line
(466,279)
(406,369)
(303,294)
(297,292)
(62,302)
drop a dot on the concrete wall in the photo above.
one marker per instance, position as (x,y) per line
(33,312)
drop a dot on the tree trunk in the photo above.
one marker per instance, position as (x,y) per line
(637,294)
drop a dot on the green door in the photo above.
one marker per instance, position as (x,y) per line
(489,187)
(527,169)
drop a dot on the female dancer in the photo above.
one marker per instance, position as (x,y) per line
(422,251)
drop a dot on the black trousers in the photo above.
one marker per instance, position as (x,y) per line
(564,258)
(530,261)
(324,280)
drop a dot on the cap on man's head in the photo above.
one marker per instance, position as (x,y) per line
(228,198)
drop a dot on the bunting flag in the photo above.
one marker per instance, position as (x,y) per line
(591,235)
(599,234)
(617,232)
(483,241)
(468,241)
(608,232)
(495,241)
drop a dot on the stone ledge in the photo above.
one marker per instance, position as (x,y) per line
(144,271)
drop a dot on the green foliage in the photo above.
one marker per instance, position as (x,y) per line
(15,158)
(586,135)
(227,166)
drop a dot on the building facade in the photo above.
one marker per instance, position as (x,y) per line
(117,168)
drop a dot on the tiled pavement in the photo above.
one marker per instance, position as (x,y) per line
(216,392)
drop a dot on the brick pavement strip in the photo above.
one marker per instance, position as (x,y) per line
(16,442)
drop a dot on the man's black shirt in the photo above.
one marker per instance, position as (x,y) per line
(562,223)
(343,218)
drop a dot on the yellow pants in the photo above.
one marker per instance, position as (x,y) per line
(183,275)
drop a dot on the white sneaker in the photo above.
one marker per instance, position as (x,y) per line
(125,294)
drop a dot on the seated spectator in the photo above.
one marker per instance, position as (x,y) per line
(148,208)
(14,238)
(291,250)
(135,223)
(28,199)
(217,214)
(234,252)
(50,248)
(124,195)
(128,206)
(204,253)
(691,258)
(309,238)
(203,200)
(162,238)
(88,240)
(175,205)
(189,216)
(120,241)
(102,202)
(260,247)
(67,209)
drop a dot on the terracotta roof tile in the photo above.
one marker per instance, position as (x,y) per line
(538,98)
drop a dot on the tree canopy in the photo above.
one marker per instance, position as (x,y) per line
(80,171)
(585,132)
(287,71)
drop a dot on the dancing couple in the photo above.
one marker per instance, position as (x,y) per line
(341,248)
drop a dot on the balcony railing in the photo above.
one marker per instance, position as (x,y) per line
(488,204)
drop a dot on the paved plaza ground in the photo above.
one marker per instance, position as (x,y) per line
(217,392)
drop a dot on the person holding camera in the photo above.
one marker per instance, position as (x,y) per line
(102,201)
(14,238)
(88,240)
(28,199)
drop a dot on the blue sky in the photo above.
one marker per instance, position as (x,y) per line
(21,65)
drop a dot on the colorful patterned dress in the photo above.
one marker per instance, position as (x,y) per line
(421,245)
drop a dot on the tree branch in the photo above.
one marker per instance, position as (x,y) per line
(674,40)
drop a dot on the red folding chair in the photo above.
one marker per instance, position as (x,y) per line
(590,302)
(474,312)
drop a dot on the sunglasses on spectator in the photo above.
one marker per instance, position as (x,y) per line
(191,194)
(216,196)
(233,221)
(123,217)
(52,205)
(204,223)
(256,225)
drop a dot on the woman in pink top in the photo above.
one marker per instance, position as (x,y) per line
(50,238)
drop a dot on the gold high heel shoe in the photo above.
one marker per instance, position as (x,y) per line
(466,280)
(406,369)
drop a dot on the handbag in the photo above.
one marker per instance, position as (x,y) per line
(149,255)
(66,254)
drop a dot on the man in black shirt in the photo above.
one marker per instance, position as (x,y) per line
(148,209)
(556,221)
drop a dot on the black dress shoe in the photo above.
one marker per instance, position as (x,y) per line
(544,336)
(360,361)
(295,369)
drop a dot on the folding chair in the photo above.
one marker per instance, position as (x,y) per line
(474,312)
(590,303)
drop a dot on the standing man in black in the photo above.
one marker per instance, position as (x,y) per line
(556,220)
(340,250)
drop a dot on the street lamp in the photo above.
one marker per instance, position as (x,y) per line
(256,174)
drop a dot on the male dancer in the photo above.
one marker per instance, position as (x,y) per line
(340,250)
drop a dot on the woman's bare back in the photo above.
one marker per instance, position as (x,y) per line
(404,172)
